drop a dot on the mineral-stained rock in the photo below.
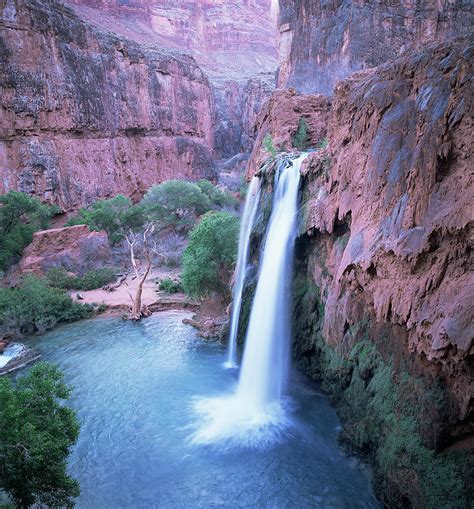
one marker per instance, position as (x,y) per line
(322,42)
(401,180)
(74,248)
(233,42)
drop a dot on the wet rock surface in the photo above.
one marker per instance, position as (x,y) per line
(383,282)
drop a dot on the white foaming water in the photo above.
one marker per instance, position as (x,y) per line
(274,9)
(248,218)
(258,414)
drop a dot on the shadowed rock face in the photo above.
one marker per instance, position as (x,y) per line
(234,42)
(323,42)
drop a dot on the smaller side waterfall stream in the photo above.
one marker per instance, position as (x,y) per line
(248,218)
(258,414)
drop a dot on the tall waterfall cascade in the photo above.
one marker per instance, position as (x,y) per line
(259,412)
(248,218)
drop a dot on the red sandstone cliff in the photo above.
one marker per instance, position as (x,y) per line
(323,42)
(234,42)
(86,115)
(383,278)
(93,104)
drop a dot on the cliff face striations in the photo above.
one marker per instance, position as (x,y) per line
(233,42)
(86,115)
(323,42)
(98,98)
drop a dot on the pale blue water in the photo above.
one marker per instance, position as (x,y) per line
(134,388)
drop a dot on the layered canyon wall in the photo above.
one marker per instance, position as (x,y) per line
(97,99)
(233,42)
(86,115)
(323,42)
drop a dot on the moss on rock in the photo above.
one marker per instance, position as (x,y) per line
(389,415)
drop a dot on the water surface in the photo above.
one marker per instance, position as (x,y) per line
(134,390)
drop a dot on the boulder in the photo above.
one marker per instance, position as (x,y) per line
(74,248)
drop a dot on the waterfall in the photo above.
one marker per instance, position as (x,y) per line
(258,413)
(265,363)
(248,218)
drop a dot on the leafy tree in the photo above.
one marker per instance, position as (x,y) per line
(209,259)
(35,307)
(37,434)
(301,137)
(113,215)
(175,203)
(218,197)
(20,216)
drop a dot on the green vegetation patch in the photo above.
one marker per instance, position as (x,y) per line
(35,306)
(169,285)
(90,280)
(301,137)
(209,259)
(38,431)
(115,216)
(269,146)
(387,413)
(20,217)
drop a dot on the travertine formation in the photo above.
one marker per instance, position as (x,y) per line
(388,205)
(323,42)
(384,254)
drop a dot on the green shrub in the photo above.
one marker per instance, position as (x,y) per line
(323,143)
(96,278)
(218,197)
(301,137)
(175,203)
(20,217)
(114,216)
(91,280)
(60,278)
(34,306)
(268,145)
(209,259)
(37,432)
(169,285)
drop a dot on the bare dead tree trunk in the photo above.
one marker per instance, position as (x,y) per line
(132,239)
(137,311)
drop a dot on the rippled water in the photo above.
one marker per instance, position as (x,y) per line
(135,385)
